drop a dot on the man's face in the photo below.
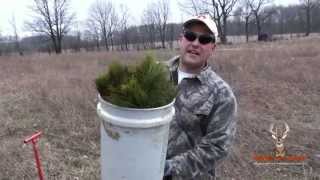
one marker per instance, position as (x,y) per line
(194,54)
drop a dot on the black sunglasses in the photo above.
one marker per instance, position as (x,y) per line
(203,38)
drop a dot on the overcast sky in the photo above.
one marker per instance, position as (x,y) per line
(20,8)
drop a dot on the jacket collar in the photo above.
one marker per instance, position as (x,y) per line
(173,65)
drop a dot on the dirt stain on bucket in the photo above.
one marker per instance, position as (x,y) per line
(111,133)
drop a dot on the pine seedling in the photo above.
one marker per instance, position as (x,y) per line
(146,85)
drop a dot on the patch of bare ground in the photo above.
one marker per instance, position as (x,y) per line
(56,94)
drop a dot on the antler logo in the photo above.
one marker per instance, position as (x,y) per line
(279,132)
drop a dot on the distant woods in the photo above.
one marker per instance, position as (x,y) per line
(109,27)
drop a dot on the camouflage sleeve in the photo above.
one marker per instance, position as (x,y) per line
(213,146)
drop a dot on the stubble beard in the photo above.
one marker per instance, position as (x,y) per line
(191,64)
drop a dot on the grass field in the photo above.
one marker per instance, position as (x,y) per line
(56,94)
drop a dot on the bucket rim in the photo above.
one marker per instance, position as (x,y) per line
(134,109)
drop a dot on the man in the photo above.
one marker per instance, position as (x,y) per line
(204,123)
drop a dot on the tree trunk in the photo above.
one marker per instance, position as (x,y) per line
(222,39)
(126,43)
(111,39)
(258,24)
(163,38)
(106,43)
(54,42)
(163,44)
(308,21)
(171,36)
(126,39)
(98,44)
(225,30)
(59,43)
(247,29)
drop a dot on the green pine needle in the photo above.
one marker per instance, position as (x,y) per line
(146,85)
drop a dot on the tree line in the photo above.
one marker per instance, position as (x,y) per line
(110,27)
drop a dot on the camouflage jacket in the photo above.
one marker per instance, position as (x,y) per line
(203,126)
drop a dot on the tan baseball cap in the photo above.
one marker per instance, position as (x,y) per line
(205,19)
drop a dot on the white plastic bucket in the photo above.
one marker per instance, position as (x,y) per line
(133,141)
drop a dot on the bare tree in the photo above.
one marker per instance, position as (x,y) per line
(123,27)
(171,33)
(161,13)
(13,24)
(51,18)
(136,37)
(99,15)
(222,10)
(149,27)
(93,32)
(246,14)
(257,11)
(103,14)
(112,25)
(280,19)
(190,7)
(74,42)
(308,5)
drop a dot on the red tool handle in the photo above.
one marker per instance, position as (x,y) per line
(34,139)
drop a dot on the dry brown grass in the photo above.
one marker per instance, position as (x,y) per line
(56,94)
(273,82)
